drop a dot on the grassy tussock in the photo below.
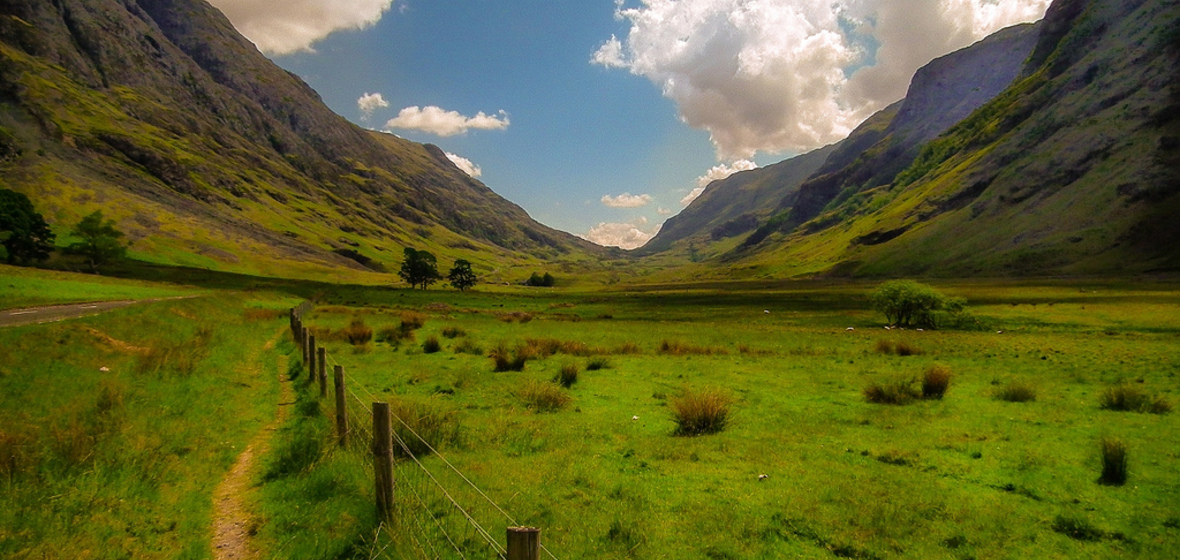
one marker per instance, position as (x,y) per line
(412,320)
(596,363)
(515,317)
(935,381)
(453,332)
(468,346)
(1017,391)
(544,397)
(567,376)
(701,413)
(254,314)
(898,347)
(894,392)
(677,348)
(1113,453)
(437,427)
(1130,398)
(431,345)
(508,360)
(746,350)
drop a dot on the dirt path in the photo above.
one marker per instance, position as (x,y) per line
(50,313)
(233,523)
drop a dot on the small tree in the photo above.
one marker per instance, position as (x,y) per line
(461,275)
(28,236)
(537,279)
(419,268)
(906,303)
(99,241)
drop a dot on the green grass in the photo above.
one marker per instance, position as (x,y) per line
(27,287)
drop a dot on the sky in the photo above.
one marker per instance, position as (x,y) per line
(605,117)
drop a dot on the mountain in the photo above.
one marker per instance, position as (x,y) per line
(737,204)
(159,113)
(1072,169)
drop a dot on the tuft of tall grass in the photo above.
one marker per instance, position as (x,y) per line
(895,392)
(935,381)
(567,376)
(180,358)
(596,363)
(431,345)
(357,333)
(453,332)
(1127,397)
(263,314)
(468,346)
(544,397)
(700,413)
(515,317)
(394,335)
(1114,461)
(299,447)
(412,320)
(506,360)
(898,347)
(423,426)
(1017,391)
(677,348)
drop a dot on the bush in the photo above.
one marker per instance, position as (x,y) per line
(544,397)
(453,332)
(935,382)
(547,280)
(906,303)
(700,413)
(357,333)
(1114,462)
(431,345)
(568,375)
(1017,391)
(596,363)
(1130,398)
(896,392)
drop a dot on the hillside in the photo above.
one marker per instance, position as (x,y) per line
(159,113)
(1072,169)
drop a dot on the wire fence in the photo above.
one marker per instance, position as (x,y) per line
(441,510)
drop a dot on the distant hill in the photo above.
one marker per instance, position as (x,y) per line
(1072,169)
(159,113)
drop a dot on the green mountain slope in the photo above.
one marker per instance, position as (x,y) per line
(159,113)
(1072,169)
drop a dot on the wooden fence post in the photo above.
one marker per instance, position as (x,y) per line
(341,411)
(303,341)
(383,460)
(322,363)
(524,543)
(310,358)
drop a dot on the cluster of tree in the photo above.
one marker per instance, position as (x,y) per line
(906,303)
(547,280)
(420,269)
(25,237)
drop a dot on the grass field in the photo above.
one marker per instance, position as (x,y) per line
(1005,465)
(22,287)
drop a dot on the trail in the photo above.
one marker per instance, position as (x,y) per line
(233,523)
(51,313)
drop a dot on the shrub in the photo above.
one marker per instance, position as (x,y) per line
(468,346)
(906,303)
(935,382)
(1126,397)
(1114,461)
(1017,391)
(453,332)
(434,426)
(567,376)
(596,363)
(431,345)
(895,392)
(700,413)
(544,397)
(357,333)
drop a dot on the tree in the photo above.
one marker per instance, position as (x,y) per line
(547,281)
(461,275)
(906,303)
(99,242)
(420,268)
(28,236)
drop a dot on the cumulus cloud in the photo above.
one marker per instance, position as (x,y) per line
(285,26)
(716,173)
(626,200)
(435,120)
(370,102)
(793,75)
(465,164)
(626,236)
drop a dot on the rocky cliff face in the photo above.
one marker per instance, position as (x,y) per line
(160,111)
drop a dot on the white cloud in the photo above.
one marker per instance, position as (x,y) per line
(772,75)
(716,173)
(435,120)
(626,200)
(664,211)
(370,102)
(286,26)
(626,236)
(465,164)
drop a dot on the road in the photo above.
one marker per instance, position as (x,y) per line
(51,313)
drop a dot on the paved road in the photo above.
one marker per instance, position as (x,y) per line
(49,314)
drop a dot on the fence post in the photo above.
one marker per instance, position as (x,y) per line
(524,543)
(310,358)
(383,460)
(303,341)
(341,412)
(322,364)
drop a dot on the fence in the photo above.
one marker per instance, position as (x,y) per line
(444,513)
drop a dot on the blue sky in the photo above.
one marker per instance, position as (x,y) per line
(584,101)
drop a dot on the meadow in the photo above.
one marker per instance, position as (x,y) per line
(582,441)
